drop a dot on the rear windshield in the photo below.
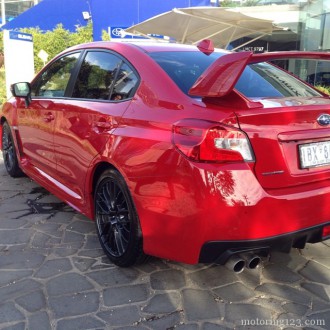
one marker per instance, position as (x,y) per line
(265,80)
(259,80)
(184,67)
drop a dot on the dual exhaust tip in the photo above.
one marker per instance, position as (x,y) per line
(239,262)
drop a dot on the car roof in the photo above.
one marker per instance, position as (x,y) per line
(143,45)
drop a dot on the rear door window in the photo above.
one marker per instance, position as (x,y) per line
(125,83)
(104,76)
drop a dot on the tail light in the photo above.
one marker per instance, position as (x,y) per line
(204,141)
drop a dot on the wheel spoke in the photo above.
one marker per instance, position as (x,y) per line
(8,153)
(100,204)
(103,203)
(122,212)
(5,142)
(122,201)
(105,229)
(106,197)
(111,190)
(119,198)
(119,242)
(10,156)
(126,230)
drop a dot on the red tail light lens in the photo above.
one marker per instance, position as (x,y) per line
(206,141)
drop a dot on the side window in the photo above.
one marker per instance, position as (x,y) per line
(103,76)
(96,76)
(125,83)
(54,80)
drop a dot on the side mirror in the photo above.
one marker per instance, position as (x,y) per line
(22,89)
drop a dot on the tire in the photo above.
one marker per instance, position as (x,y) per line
(9,153)
(116,220)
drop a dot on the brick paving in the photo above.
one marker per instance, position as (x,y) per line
(54,275)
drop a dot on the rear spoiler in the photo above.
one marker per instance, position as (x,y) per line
(221,76)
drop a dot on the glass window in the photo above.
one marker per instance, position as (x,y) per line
(184,67)
(265,80)
(125,83)
(257,80)
(54,80)
(104,76)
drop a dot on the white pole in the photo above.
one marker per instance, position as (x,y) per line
(3,12)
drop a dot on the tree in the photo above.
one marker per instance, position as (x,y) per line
(54,42)
(247,3)
(228,3)
(251,3)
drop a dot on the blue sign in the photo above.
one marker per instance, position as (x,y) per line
(119,32)
(20,36)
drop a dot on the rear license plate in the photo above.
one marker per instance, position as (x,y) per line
(314,154)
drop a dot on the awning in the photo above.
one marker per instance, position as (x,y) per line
(191,25)
(49,13)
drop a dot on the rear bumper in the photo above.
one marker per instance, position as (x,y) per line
(220,251)
(204,212)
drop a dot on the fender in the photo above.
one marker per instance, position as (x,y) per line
(220,78)
(8,113)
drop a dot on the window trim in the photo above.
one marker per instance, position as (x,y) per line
(73,78)
(73,75)
(122,60)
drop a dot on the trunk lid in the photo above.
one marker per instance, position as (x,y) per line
(286,120)
(289,143)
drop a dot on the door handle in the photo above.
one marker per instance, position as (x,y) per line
(103,124)
(49,117)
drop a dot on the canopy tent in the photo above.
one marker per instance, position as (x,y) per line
(105,14)
(191,25)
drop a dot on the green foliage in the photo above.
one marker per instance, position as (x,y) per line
(250,3)
(54,42)
(323,89)
(1,42)
(229,3)
(83,34)
(3,95)
(247,3)
(105,36)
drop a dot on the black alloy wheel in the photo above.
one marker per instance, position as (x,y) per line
(9,153)
(117,223)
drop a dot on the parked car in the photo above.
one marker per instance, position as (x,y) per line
(189,153)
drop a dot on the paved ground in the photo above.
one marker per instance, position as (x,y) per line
(53,275)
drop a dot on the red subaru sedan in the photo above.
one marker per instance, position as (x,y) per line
(188,153)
